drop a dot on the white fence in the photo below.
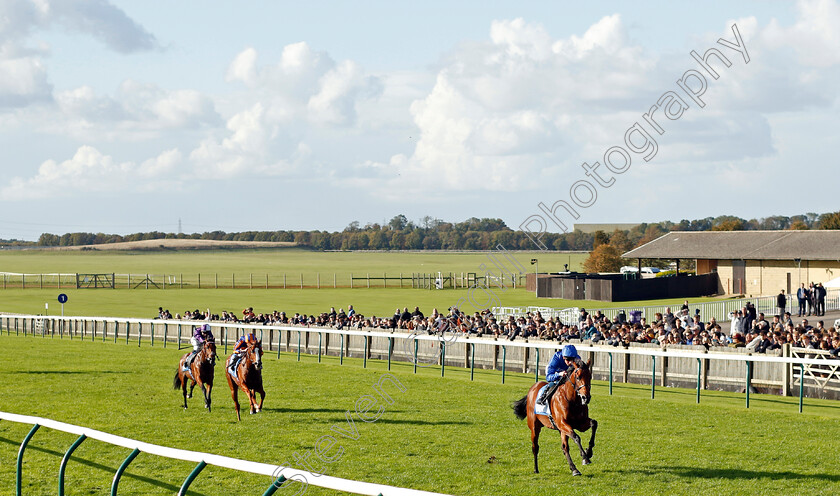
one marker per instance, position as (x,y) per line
(720,368)
(274,471)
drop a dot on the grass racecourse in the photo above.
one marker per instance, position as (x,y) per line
(444,434)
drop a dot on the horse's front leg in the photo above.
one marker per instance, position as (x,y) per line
(205,389)
(572,467)
(593,424)
(252,398)
(583,456)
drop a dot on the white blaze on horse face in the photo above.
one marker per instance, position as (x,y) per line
(257,357)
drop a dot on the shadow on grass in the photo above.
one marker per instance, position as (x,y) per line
(300,410)
(70,372)
(105,468)
(732,474)
(407,422)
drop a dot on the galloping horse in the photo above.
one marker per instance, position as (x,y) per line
(248,378)
(569,409)
(200,372)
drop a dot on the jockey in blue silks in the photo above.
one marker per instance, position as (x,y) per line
(557,371)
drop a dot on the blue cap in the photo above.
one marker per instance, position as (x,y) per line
(569,351)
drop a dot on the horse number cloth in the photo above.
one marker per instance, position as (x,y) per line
(541,409)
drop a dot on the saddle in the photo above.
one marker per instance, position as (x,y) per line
(188,361)
(234,364)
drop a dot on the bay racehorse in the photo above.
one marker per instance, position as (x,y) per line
(569,408)
(199,372)
(248,377)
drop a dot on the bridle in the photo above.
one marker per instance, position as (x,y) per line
(207,353)
(255,348)
(579,384)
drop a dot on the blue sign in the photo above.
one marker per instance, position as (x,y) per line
(62,298)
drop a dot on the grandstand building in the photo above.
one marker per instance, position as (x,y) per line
(752,263)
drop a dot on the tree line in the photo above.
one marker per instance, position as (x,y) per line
(430,233)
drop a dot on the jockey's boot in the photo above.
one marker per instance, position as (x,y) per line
(546,394)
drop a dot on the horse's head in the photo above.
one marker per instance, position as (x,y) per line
(256,352)
(582,380)
(210,351)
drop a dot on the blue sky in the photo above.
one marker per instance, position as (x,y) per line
(128,116)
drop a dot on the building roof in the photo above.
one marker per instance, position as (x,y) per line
(743,245)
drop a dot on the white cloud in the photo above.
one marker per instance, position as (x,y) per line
(503,113)
(161,166)
(305,84)
(91,171)
(137,111)
(524,106)
(339,89)
(305,93)
(244,67)
(23,81)
(234,155)
(23,78)
(102,20)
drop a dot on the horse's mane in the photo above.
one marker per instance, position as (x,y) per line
(580,363)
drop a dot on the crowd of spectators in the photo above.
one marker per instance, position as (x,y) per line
(748,328)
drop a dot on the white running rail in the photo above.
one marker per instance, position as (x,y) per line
(336,483)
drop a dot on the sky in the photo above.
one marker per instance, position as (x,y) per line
(123,117)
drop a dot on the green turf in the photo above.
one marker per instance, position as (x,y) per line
(142,303)
(439,435)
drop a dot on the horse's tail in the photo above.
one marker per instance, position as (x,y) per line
(176,384)
(520,408)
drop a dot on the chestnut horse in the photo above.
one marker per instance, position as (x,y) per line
(570,410)
(200,372)
(248,377)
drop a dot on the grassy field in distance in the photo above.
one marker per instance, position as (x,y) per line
(293,261)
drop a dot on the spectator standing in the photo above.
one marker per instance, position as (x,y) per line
(752,311)
(802,297)
(781,302)
(820,299)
